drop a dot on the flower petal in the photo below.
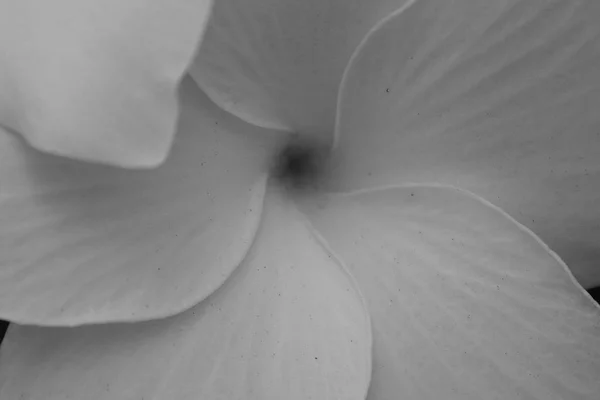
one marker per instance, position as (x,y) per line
(83,243)
(465,302)
(278,64)
(288,324)
(97,80)
(494,97)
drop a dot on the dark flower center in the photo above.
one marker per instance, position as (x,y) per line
(300,165)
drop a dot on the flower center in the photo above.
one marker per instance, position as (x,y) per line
(300,166)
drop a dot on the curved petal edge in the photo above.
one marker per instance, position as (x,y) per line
(97,81)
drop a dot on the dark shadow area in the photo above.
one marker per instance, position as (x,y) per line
(595,292)
(3,327)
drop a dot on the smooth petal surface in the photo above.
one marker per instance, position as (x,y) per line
(288,324)
(82,243)
(97,80)
(465,302)
(278,64)
(500,98)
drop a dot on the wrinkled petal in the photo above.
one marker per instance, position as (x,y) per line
(288,324)
(83,243)
(465,302)
(278,64)
(97,80)
(499,98)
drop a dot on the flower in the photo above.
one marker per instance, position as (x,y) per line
(206,278)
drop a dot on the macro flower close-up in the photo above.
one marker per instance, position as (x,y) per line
(319,199)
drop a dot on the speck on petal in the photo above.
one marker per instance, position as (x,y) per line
(279,63)
(97,80)
(83,243)
(465,302)
(496,97)
(288,324)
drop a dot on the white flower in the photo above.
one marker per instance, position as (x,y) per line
(223,274)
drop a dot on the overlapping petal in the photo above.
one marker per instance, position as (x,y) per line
(496,97)
(83,243)
(288,324)
(97,80)
(278,64)
(465,302)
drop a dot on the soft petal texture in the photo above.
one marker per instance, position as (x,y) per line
(288,324)
(497,97)
(83,243)
(278,64)
(97,80)
(465,302)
